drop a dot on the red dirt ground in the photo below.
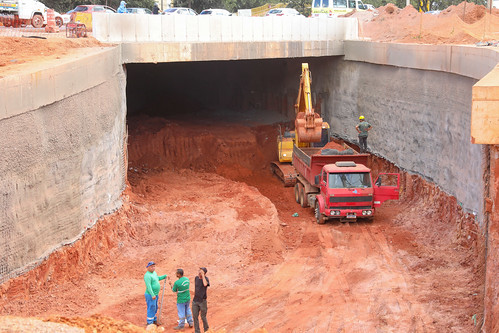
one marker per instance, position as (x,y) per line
(16,51)
(204,196)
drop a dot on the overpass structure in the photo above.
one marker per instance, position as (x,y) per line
(362,77)
(158,38)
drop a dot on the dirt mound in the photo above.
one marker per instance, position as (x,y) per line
(18,50)
(20,325)
(468,12)
(466,23)
(227,149)
(97,323)
(389,9)
(288,271)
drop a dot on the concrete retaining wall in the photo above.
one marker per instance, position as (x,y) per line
(119,28)
(62,164)
(421,122)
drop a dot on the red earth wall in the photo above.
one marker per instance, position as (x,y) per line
(491,281)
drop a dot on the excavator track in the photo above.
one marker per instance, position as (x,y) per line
(285,171)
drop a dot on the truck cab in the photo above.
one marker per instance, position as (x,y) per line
(23,12)
(348,192)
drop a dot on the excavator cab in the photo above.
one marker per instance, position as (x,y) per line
(285,143)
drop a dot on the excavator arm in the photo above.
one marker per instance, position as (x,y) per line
(308,124)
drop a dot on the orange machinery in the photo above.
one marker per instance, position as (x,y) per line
(308,129)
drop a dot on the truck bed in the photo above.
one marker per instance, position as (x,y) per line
(308,162)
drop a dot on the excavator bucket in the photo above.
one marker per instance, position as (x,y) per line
(308,130)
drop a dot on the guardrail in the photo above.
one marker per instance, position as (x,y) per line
(126,28)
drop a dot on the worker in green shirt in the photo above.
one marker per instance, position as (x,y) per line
(153,287)
(362,128)
(181,287)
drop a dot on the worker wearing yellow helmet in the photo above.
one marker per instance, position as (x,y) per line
(362,128)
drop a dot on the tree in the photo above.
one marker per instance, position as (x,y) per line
(303,6)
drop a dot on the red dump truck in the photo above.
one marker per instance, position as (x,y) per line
(338,185)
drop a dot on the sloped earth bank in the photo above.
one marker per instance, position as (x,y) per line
(202,195)
(466,23)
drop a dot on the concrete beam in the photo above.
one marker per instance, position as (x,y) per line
(56,80)
(485,109)
(116,28)
(175,52)
(469,61)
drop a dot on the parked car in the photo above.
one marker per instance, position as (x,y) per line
(60,19)
(91,9)
(283,12)
(139,11)
(179,11)
(215,12)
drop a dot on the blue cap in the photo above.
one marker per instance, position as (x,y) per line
(150,263)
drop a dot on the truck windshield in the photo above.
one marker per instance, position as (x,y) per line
(349,180)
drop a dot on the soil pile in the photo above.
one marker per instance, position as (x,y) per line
(18,324)
(269,269)
(18,50)
(466,23)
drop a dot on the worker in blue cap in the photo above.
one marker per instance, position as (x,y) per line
(153,287)
(122,8)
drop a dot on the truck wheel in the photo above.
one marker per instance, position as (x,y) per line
(37,21)
(303,197)
(297,192)
(16,22)
(58,22)
(319,218)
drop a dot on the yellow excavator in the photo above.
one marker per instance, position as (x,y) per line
(308,129)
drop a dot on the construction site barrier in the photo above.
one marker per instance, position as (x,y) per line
(114,28)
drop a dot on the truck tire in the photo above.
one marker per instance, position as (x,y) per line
(319,218)
(303,197)
(58,22)
(16,22)
(297,192)
(37,21)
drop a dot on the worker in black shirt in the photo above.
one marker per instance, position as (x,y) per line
(199,302)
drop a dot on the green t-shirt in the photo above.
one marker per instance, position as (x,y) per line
(181,286)
(152,283)
(363,126)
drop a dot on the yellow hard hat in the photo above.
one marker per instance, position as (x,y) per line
(361,117)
